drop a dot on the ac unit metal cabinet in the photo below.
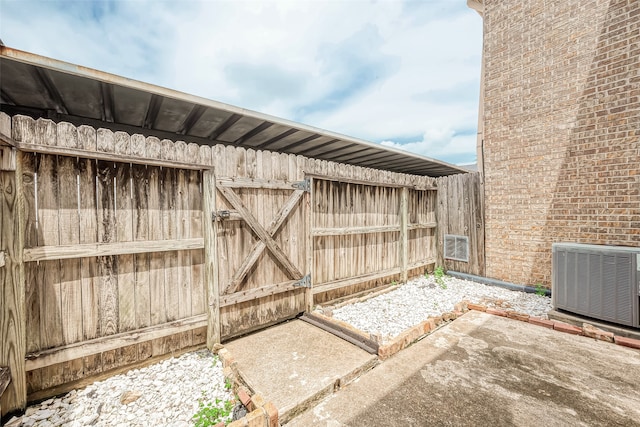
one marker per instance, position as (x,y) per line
(602,282)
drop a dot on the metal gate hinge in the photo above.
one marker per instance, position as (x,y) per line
(305,282)
(304,185)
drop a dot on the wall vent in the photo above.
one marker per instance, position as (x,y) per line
(456,247)
(602,282)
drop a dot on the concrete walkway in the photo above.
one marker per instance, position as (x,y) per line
(294,365)
(485,370)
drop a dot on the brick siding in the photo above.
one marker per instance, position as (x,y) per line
(561,130)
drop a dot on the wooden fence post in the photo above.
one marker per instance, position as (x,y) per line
(12,291)
(404,253)
(210,229)
(308,204)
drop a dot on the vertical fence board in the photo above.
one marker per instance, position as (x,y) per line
(169,227)
(107,265)
(140,222)
(50,319)
(156,260)
(124,233)
(32,282)
(198,302)
(71,285)
(12,290)
(211,258)
(70,273)
(89,234)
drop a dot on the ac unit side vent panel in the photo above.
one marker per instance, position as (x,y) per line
(602,282)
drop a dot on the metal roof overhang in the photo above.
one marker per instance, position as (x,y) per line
(42,87)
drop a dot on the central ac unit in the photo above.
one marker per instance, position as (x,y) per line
(602,282)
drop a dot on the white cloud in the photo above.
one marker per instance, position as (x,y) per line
(441,143)
(378,70)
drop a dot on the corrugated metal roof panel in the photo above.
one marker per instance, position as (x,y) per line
(44,87)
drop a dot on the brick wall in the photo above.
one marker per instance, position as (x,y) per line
(561,129)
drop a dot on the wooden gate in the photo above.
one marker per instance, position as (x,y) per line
(262,228)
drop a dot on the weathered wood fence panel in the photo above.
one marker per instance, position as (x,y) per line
(461,212)
(365,235)
(123,259)
(262,244)
(82,298)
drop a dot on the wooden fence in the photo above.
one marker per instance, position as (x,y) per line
(116,249)
(461,212)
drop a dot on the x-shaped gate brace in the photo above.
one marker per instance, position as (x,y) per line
(265,236)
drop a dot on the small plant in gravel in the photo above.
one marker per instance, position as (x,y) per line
(540,291)
(211,413)
(438,274)
(228,384)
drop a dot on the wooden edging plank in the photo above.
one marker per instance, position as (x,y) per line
(112,342)
(47,253)
(346,334)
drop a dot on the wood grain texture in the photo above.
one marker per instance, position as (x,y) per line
(114,342)
(257,249)
(124,235)
(70,273)
(88,221)
(168,198)
(158,312)
(460,211)
(107,265)
(141,235)
(264,236)
(12,289)
(210,258)
(198,302)
(48,253)
(48,234)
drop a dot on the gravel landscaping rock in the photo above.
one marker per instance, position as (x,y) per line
(163,394)
(389,314)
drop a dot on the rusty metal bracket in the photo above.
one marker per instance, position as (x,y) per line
(304,185)
(305,282)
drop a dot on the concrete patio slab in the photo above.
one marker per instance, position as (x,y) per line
(294,364)
(488,370)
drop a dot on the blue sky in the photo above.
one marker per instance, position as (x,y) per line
(400,73)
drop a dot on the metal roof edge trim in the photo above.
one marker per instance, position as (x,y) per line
(82,71)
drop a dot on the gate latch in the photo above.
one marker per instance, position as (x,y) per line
(305,282)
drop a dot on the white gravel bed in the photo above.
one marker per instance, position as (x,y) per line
(389,314)
(163,394)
